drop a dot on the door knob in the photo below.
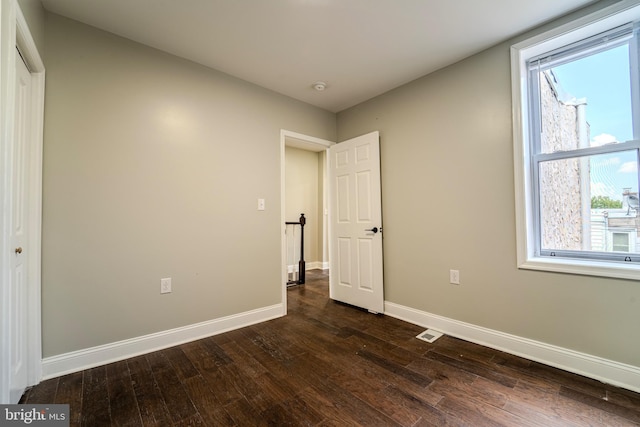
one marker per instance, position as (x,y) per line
(374,229)
(19,250)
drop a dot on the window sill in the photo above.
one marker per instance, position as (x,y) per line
(583,267)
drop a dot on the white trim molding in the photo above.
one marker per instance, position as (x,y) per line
(14,32)
(76,361)
(310,265)
(604,370)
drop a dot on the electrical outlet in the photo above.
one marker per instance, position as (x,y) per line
(454,277)
(165,285)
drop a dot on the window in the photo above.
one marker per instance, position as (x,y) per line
(620,242)
(576,100)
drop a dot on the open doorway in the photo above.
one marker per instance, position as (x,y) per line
(304,190)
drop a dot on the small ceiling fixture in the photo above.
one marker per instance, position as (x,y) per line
(319,86)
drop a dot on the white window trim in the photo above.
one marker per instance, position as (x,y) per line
(595,23)
(630,233)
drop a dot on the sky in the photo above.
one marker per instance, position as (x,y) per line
(604,80)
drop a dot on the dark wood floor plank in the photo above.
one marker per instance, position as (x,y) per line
(95,398)
(623,397)
(300,411)
(175,397)
(524,377)
(272,341)
(547,417)
(364,413)
(316,370)
(222,386)
(270,385)
(395,368)
(426,412)
(243,414)
(244,360)
(392,330)
(216,352)
(45,392)
(122,400)
(519,369)
(209,367)
(194,420)
(612,420)
(200,357)
(441,372)
(276,415)
(414,345)
(334,315)
(70,393)
(480,414)
(472,367)
(319,324)
(567,379)
(323,344)
(369,372)
(249,389)
(330,364)
(280,370)
(208,406)
(385,349)
(482,390)
(538,404)
(630,414)
(334,410)
(152,407)
(180,362)
(378,398)
(510,360)
(464,349)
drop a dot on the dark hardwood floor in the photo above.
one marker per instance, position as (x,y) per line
(328,364)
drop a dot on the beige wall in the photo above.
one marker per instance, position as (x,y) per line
(34,15)
(152,168)
(448,203)
(303,190)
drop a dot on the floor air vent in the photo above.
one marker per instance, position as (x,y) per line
(429,335)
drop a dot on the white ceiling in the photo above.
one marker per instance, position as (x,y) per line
(360,48)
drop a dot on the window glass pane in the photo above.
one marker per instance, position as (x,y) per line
(620,242)
(585,200)
(586,102)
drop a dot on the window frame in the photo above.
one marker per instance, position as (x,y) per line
(626,233)
(528,256)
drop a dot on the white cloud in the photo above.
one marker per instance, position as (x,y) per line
(628,167)
(603,139)
(603,163)
(602,189)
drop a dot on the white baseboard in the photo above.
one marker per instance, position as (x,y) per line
(607,371)
(311,265)
(75,361)
(316,265)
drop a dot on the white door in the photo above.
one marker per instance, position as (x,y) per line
(355,242)
(18,238)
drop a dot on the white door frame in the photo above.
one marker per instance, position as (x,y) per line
(15,32)
(302,141)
